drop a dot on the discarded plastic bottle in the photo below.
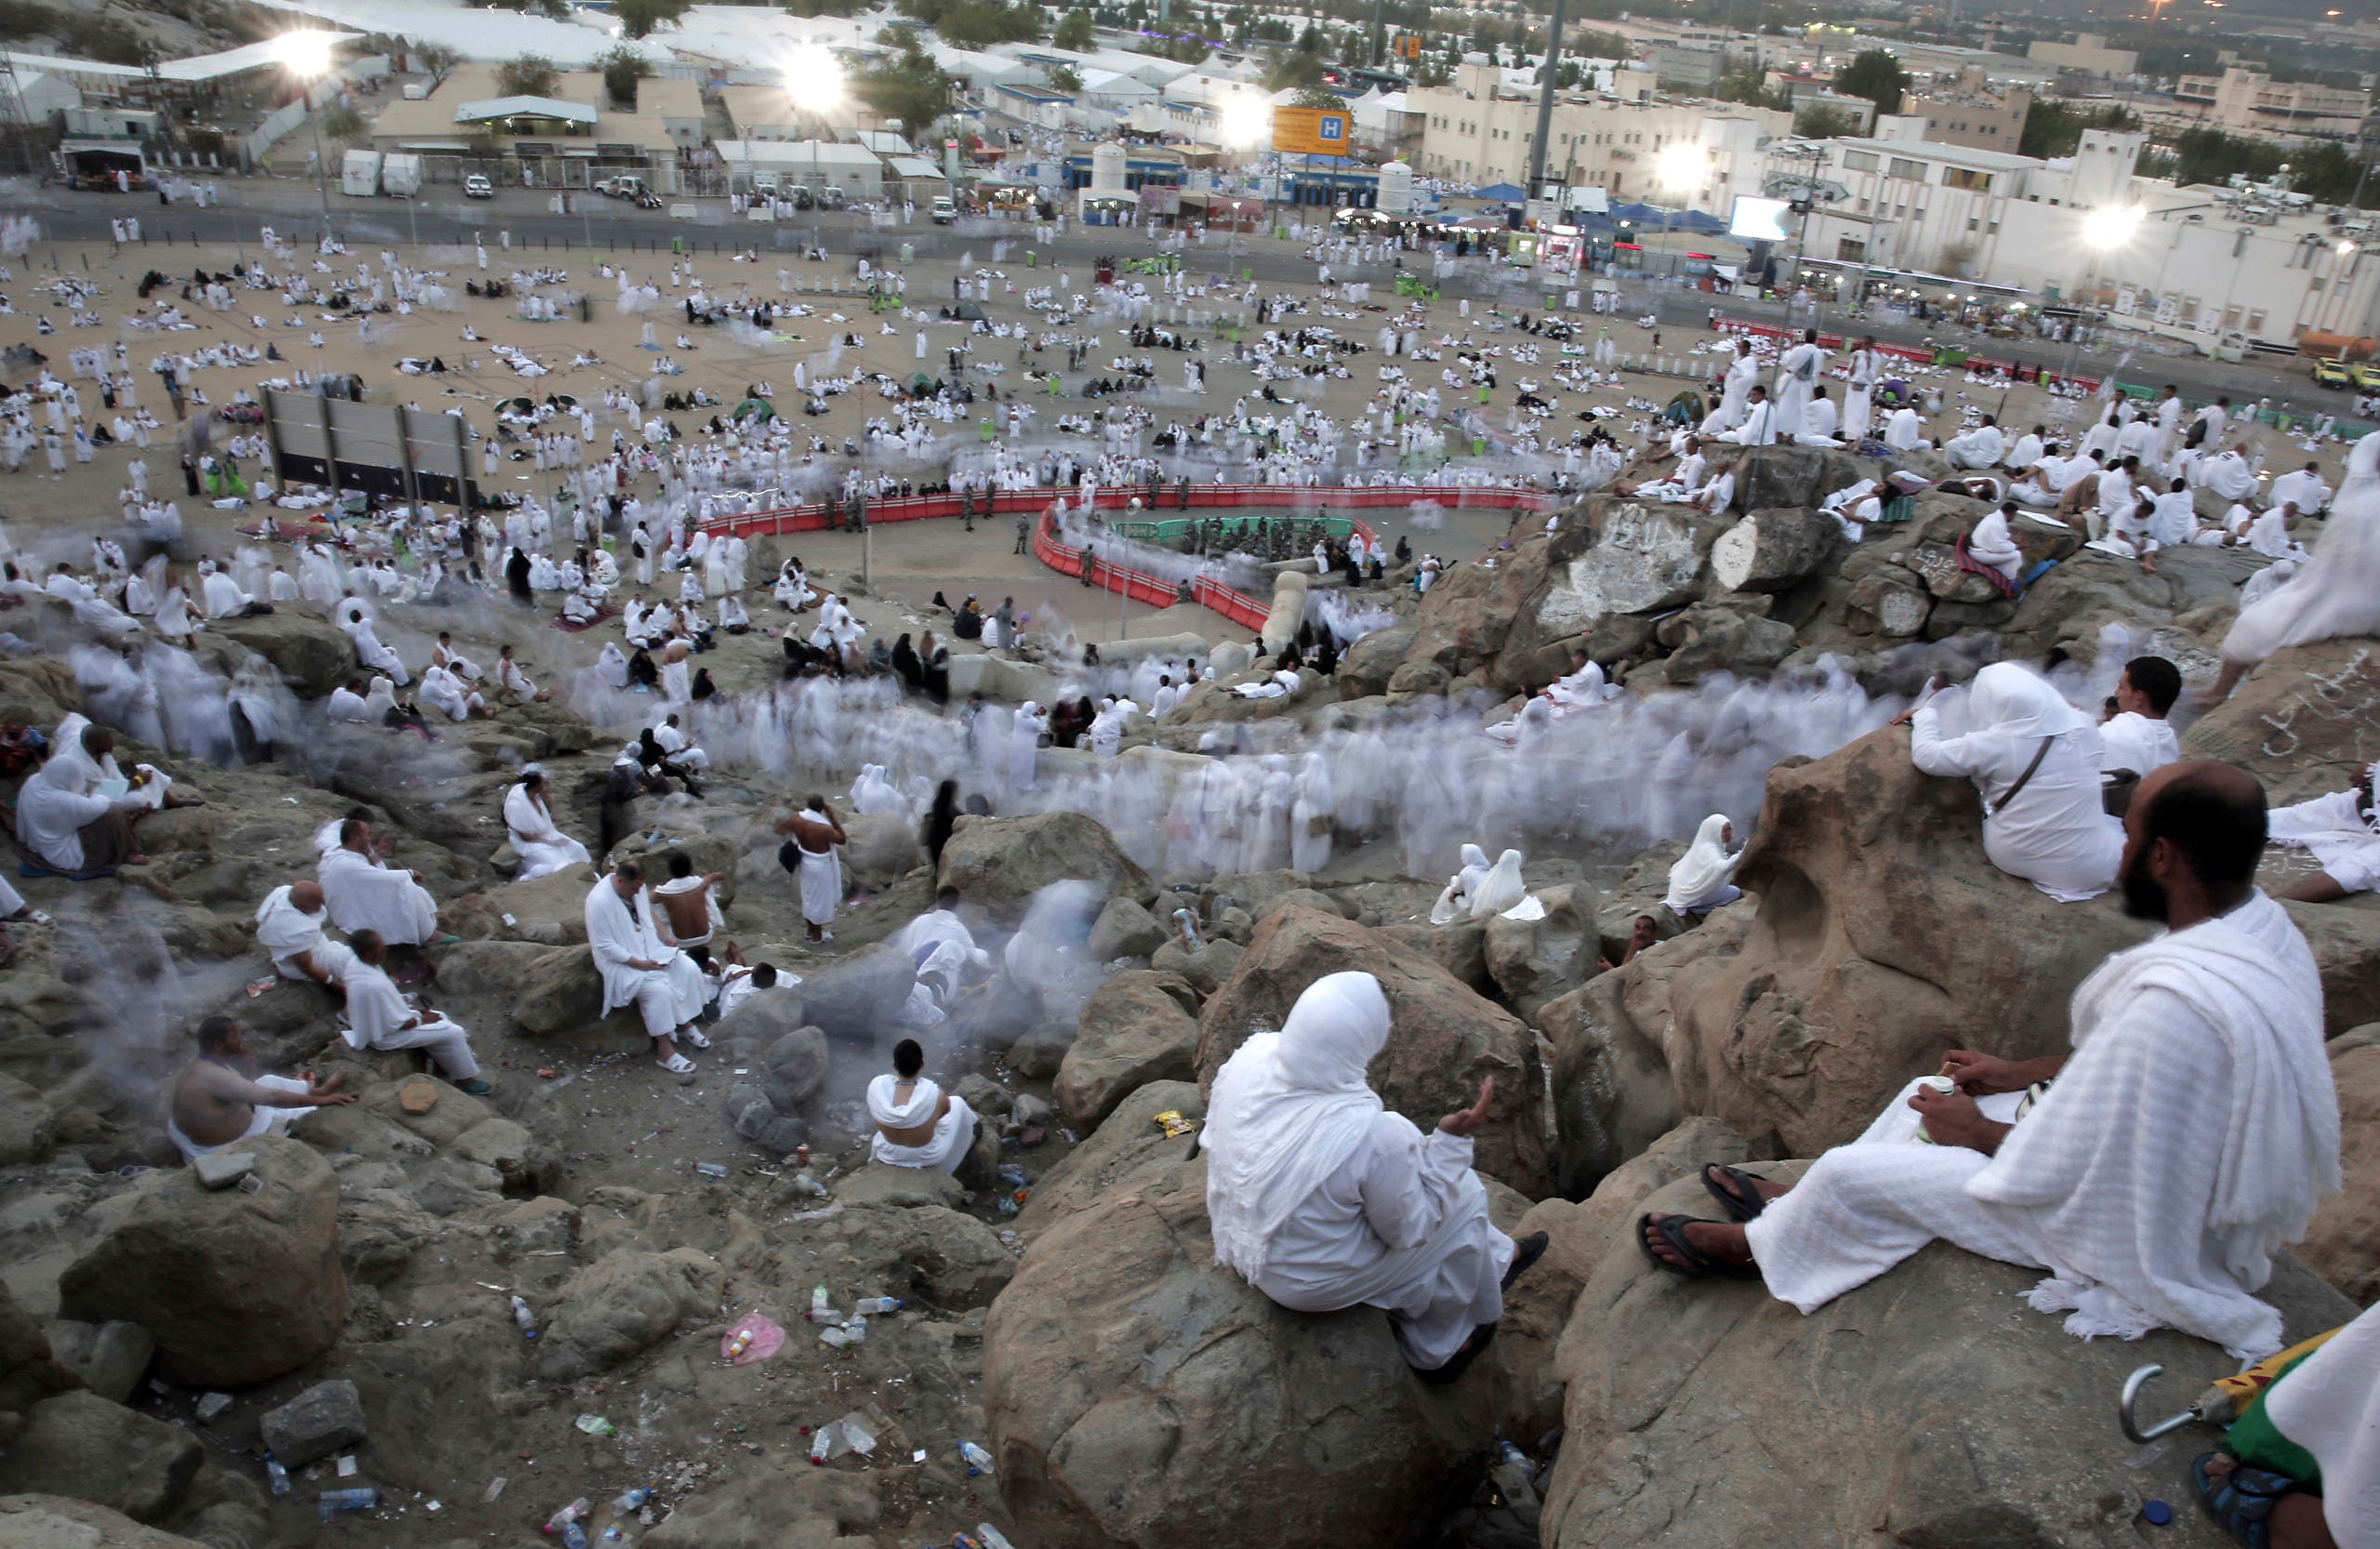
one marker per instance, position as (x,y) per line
(857,1329)
(805,1183)
(819,1301)
(978,1461)
(823,1439)
(569,1515)
(613,1536)
(835,1337)
(596,1425)
(631,1500)
(1187,924)
(871,1306)
(1014,1175)
(992,1537)
(823,1314)
(1514,1478)
(711,1170)
(332,1502)
(573,1536)
(523,1316)
(276,1474)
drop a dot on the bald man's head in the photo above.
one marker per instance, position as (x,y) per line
(308,896)
(2193,829)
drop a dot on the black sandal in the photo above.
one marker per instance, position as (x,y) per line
(1699,1265)
(1438,1376)
(1723,1183)
(1526,1250)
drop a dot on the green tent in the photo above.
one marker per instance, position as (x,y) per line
(754,408)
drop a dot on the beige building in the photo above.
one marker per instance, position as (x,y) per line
(572,137)
(2087,54)
(1472,134)
(2250,103)
(1968,111)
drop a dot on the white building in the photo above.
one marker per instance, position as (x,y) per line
(1115,91)
(1472,134)
(1912,204)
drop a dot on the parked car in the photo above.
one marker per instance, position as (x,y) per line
(2367,376)
(832,197)
(476,186)
(945,211)
(2329,372)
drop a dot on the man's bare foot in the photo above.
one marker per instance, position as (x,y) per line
(1723,1180)
(1719,1241)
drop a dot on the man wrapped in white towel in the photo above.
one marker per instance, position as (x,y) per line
(2186,1139)
(917,1124)
(289,927)
(365,894)
(665,987)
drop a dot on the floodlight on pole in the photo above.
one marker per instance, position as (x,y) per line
(814,84)
(1245,122)
(2106,229)
(1678,167)
(306,53)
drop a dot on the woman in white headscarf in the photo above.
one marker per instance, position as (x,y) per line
(1026,747)
(1321,1199)
(1500,890)
(1704,877)
(1455,901)
(378,700)
(2035,759)
(612,665)
(529,818)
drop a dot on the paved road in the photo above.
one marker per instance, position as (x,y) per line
(609,226)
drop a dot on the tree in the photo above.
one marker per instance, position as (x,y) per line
(909,87)
(1063,77)
(2055,129)
(437,62)
(623,68)
(1749,87)
(1074,31)
(638,18)
(1319,96)
(342,124)
(530,75)
(1823,121)
(1875,75)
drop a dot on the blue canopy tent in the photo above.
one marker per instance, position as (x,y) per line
(1649,216)
(1501,193)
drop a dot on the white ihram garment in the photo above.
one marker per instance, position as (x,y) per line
(376,1015)
(365,895)
(543,848)
(2188,1138)
(1703,878)
(2341,834)
(2338,591)
(821,876)
(2330,1405)
(1322,1199)
(953,1135)
(667,996)
(2137,742)
(285,931)
(1500,889)
(2056,834)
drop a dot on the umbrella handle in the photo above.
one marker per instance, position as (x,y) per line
(2132,1427)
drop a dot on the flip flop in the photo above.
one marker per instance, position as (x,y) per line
(677,1065)
(473,1088)
(1699,1265)
(1438,1376)
(1526,1250)
(2242,1502)
(1735,1190)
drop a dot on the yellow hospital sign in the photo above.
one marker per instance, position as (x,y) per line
(1312,131)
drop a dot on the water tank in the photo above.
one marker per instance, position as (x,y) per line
(1107,170)
(1396,189)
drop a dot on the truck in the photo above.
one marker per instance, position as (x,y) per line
(626,185)
(360,174)
(401,174)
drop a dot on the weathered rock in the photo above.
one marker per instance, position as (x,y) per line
(2342,1245)
(1793,476)
(1996,1420)
(80,1444)
(999,863)
(624,1302)
(2300,722)
(562,994)
(1128,1143)
(1126,930)
(1882,604)
(111,1358)
(1133,1031)
(899,1187)
(781,1508)
(856,995)
(312,656)
(1372,661)
(28,1127)
(1534,960)
(1643,559)
(1883,937)
(1205,970)
(882,848)
(1125,1374)
(325,1418)
(61,1522)
(793,1068)
(205,1272)
(949,1259)
(29,1372)
(1446,1040)
(1770,550)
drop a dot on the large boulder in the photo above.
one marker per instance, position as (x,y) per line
(999,863)
(2342,1244)
(80,1444)
(1446,1040)
(2300,721)
(52,1521)
(1137,1394)
(1989,1425)
(1138,1027)
(787,1508)
(237,1288)
(623,1304)
(1632,558)
(1882,938)
(311,654)
(29,1370)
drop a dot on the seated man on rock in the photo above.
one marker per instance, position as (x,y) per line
(380,1017)
(2137,737)
(2343,831)
(365,894)
(219,1103)
(917,1124)
(666,986)
(1321,1199)
(289,927)
(2187,1137)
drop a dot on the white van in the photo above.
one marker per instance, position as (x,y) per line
(945,211)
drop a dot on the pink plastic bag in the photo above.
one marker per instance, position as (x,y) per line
(766,1339)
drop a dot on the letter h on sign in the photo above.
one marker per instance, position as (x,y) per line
(1331,126)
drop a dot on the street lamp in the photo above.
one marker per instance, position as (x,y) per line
(2104,230)
(307,55)
(1677,167)
(814,80)
(1246,122)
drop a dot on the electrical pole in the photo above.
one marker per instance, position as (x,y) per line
(1545,104)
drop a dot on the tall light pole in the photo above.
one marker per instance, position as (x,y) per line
(306,54)
(1245,122)
(2104,230)
(1678,168)
(814,80)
